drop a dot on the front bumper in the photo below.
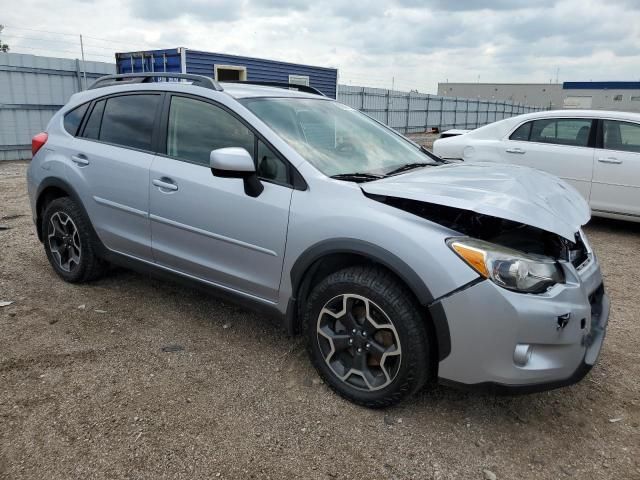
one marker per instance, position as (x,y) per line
(510,342)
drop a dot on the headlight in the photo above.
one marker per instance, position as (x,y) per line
(508,268)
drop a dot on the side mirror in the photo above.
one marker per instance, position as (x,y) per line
(235,162)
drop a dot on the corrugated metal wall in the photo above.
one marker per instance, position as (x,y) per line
(152,61)
(32,88)
(410,112)
(324,79)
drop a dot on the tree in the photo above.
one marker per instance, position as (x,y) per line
(3,46)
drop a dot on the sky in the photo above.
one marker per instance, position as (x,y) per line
(408,44)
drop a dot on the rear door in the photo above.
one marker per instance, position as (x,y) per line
(561,146)
(616,179)
(208,227)
(109,165)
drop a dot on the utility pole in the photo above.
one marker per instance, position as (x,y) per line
(84,69)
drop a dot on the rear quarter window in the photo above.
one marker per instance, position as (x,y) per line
(73,119)
(522,132)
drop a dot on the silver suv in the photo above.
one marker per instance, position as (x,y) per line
(398,269)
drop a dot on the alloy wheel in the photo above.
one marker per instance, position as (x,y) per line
(64,241)
(359,342)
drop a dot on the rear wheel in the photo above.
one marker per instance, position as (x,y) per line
(366,336)
(69,242)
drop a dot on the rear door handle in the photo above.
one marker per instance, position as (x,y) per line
(80,159)
(165,183)
(515,150)
(609,160)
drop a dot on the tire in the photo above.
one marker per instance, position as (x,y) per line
(71,247)
(385,378)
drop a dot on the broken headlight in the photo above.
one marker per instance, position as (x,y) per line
(508,268)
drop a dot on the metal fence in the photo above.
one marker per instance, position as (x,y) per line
(32,88)
(411,112)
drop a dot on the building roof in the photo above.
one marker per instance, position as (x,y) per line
(601,85)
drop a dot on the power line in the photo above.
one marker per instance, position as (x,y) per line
(67,34)
(36,39)
(75,52)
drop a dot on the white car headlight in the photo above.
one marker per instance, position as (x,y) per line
(508,268)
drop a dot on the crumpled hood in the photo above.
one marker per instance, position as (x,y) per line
(511,192)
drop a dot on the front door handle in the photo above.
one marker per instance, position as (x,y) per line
(165,183)
(613,160)
(80,159)
(515,150)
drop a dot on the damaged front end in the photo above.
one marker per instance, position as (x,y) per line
(507,233)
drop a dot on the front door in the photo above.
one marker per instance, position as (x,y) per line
(616,176)
(208,227)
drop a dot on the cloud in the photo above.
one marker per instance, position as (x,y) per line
(198,10)
(416,43)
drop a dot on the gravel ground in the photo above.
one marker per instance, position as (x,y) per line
(86,390)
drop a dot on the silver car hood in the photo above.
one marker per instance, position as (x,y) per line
(511,192)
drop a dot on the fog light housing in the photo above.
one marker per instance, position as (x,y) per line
(522,354)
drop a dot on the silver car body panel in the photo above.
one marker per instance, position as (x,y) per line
(209,230)
(504,191)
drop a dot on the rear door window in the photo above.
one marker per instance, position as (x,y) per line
(128,120)
(92,127)
(561,131)
(621,136)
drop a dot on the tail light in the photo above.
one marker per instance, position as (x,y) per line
(38,141)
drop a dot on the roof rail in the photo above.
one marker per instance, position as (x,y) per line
(291,86)
(148,77)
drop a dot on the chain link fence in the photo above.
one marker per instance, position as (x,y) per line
(412,112)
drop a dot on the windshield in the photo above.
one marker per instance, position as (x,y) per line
(336,139)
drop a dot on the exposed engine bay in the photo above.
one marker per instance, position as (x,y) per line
(517,236)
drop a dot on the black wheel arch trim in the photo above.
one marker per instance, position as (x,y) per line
(379,255)
(70,191)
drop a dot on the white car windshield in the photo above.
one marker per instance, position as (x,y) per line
(337,139)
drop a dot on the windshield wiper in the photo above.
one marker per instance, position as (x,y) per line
(357,177)
(409,166)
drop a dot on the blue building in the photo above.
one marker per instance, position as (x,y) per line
(225,67)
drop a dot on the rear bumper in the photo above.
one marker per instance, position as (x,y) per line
(506,342)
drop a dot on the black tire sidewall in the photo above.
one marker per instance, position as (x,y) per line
(409,324)
(68,207)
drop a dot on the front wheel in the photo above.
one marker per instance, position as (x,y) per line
(366,336)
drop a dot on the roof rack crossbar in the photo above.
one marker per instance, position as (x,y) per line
(295,86)
(148,77)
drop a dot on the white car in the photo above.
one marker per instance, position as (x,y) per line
(597,152)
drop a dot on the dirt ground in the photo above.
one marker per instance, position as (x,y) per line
(87,389)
